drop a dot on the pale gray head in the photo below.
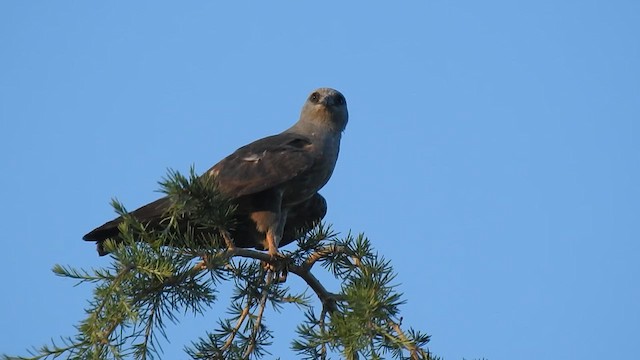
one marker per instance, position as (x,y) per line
(326,107)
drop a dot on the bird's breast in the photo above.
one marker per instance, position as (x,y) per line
(307,183)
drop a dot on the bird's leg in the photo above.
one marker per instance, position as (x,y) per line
(274,236)
(273,240)
(272,243)
(274,233)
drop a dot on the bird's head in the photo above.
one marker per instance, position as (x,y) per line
(327,106)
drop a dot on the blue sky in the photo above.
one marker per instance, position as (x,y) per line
(492,152)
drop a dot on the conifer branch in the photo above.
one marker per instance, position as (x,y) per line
(321,253)
(161,273)
(258,322)
(232,334)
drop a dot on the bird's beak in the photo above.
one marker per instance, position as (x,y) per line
(328,102)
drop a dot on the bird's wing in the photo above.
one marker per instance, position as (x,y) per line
(302,217)
(264,164)
(150,213)
(253,168)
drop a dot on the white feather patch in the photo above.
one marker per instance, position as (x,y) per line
(253,158)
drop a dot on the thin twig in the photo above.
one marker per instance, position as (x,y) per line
(234,332)
(323,347)
(256,326)
(327,298)
(106,334)
(246,253)
(322,253)
(413,350)
(227,239)
(170,281)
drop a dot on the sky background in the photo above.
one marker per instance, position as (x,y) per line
(492,153)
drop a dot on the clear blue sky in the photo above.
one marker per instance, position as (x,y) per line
(493,152)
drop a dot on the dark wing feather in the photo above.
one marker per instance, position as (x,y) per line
(278,159)
(301,219)
(147,214)
(263,164)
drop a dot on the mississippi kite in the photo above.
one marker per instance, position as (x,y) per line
(274,181)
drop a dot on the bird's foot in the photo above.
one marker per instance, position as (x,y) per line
(278,265)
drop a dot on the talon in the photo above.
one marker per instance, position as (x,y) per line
(278,264)
(282,277)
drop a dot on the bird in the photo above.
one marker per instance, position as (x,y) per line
(273,181)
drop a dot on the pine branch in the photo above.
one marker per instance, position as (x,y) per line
(234,331)
(159,273)
(258,322)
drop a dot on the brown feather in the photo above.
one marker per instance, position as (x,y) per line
(274,180)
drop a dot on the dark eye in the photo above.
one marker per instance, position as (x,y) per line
(315,97)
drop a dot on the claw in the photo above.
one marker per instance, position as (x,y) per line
(278,265)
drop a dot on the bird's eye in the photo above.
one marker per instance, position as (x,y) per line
(315,97)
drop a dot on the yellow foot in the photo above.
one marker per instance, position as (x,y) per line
(279,266)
